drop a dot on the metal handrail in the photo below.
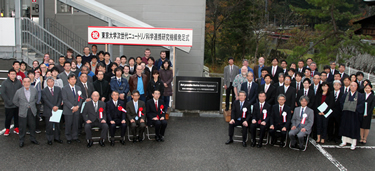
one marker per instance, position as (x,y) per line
(42,41)
(65,34)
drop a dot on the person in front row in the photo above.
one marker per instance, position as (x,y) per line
(280,120)
(302,121)
(136,115)
(260,119)
(51,96)
(241,113)
(25,99)
(156,115)
(94,115)
(116,117)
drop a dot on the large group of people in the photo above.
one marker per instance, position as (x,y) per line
(298,101)
(92,92)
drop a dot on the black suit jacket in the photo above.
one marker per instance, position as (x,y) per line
(303,70)
(343,76)
(113,114)
(90,90)
(253,92)
(90,114)
(312,87)
(50,101)
(337,110)
(275,78)
(294,84)
(131,110)
(270,95)
(310,95)
(330,100)
(151,110)
(290,96)
(103,88)
(257,115)
(277,119)
(237,111)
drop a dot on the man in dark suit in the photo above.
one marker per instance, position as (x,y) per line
(156,115)
(314,70)
(258,68)
(360,80)
(297,83)
(241,113)
(269,89)
(280,119)
(316,83)
(306,91)
(116,117)
(280,81)
(251,88)
(346,86)
(288,91)
(333,68)
(301,66)
(87,89)
(136,110)
(260,119)
(275,70)
(342,72)
(52,99)
(334,119)
(71,96)
(94,115)
(284,66)
(330,76)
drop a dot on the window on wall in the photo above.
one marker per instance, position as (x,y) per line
(62,8)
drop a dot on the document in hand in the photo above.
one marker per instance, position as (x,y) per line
(328,113)
(322,107)
(56,116)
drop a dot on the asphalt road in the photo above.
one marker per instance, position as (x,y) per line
(191,143)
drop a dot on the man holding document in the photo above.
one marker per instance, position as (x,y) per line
(324,101)
(51,96)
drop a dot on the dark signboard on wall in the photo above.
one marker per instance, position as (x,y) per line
(198,93)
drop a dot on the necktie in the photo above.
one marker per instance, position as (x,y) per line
(115,104)
(87,92)
(315,89)
(335,96)
(261,108)
(312,74)
(305,93)
(96,107)
(273,71)
(333,73)
(74,93)
(156,105)
(266,88)
(241,105)
(302,112)
(52,91)
(297,87)
(346,90)
(248,89)
(281,110)
(136,107)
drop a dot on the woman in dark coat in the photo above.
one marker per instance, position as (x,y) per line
(367,115)
(324,94)
(154,84)
(166,76)
(353,104)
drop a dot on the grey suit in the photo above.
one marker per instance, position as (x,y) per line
(27,111)
(49,102)
(64,77)
(71,119)
(296,121)
(90,89)
(89,113)
(228,81)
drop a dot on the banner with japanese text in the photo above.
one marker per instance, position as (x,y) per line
(141,36)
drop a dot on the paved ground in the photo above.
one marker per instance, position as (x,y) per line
(191,143)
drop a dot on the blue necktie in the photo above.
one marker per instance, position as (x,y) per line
(302,112)
(241,103)
(136,108)
(74,93)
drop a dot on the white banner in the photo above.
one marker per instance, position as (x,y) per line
(142,36)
